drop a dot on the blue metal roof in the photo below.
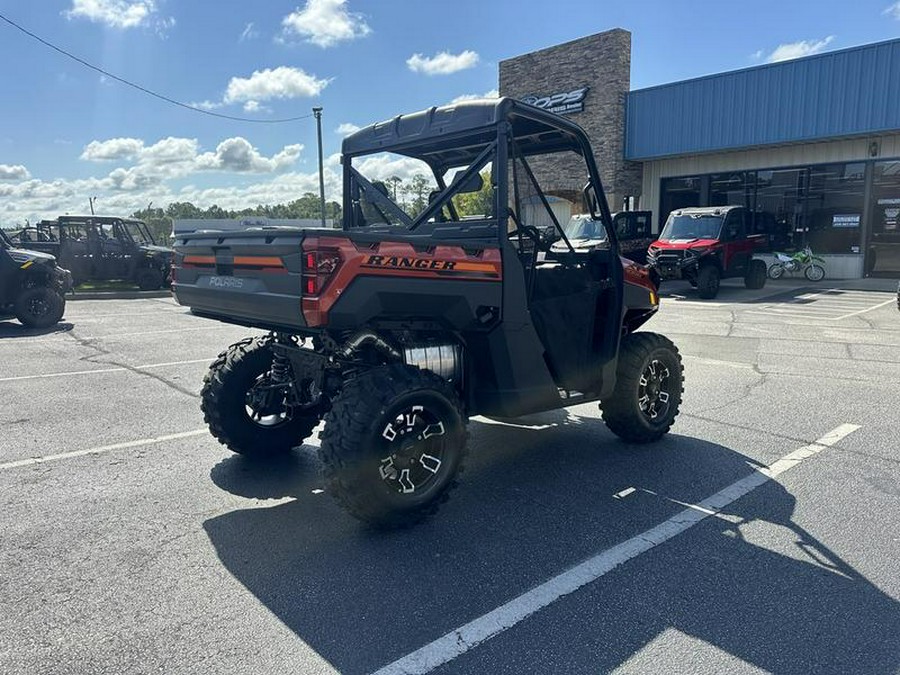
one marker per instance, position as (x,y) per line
(837,94)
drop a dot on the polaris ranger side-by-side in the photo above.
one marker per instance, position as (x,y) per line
(399,327)
(708,244)
(102,248)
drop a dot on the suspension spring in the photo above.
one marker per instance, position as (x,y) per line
(281,364)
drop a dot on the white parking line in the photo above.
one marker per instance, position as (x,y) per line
(869,309)
(103,448)
(104,370)
(459,641)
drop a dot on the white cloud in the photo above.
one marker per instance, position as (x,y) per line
(795,50)
(124,192)
(208,105)
(112,149)
(757,55)
(442,63)
(170,150)
(325,23)
(249,33)
(346,129)
(493,93)
(113,13)
(255,107)
(383,166)
(238,155)
(275,83)
(121,14)
(179,157)
(13,172)
(893,11)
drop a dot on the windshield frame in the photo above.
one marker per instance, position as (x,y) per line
(146,238)
(666,234)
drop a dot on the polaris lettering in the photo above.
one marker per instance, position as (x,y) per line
(409,263)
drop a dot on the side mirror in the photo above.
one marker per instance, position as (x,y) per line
(474,184)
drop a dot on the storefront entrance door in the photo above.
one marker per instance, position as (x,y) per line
(883,248)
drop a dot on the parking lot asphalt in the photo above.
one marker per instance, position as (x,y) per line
(748,540)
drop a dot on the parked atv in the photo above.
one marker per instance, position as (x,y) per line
(103,248)
(706,245)
(398,329)
(32,286)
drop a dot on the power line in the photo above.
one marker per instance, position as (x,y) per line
(144,89)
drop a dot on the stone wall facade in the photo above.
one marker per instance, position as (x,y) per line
(601,62)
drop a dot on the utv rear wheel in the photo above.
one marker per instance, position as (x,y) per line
(40,307)
(393,445)
(149,279)
(708,282)
(649,385)
(756,275)
(243,411)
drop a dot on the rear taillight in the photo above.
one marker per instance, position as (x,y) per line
(319,266)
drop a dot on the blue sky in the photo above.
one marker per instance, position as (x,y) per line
(69,133)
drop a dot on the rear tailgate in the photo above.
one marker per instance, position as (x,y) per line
(251,276)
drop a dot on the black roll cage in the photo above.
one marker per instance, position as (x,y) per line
(471,134)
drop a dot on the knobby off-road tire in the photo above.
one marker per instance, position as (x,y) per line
(224,402)
(40,307)
(708,282)
(755,278)
(649,385)
(150,279)
(776,271)
(814,272)
(393,445)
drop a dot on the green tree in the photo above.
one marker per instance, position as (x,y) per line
(418,190)
(479,203)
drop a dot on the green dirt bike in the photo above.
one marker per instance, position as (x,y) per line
(801,260)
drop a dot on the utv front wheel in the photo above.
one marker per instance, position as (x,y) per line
(649,384)
(393,444)
(40,307)
(243,409)
(708,282)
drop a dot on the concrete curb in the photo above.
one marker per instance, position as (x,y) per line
(118,295)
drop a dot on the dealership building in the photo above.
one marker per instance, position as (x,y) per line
(811,147)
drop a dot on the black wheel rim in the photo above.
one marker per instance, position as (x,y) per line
(38,307)
(654,392)
(413,451)
(265,404)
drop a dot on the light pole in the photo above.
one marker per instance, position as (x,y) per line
(318,113)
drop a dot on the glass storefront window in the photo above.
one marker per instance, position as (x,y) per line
(883,250)
(834,207)
(817,205)
(731,189)
(779,195)
(678,193)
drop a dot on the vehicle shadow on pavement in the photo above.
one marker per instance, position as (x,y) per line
(539,496)
(11,329)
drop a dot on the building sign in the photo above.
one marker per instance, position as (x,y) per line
(846,220)
(563,103)
(891,213)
